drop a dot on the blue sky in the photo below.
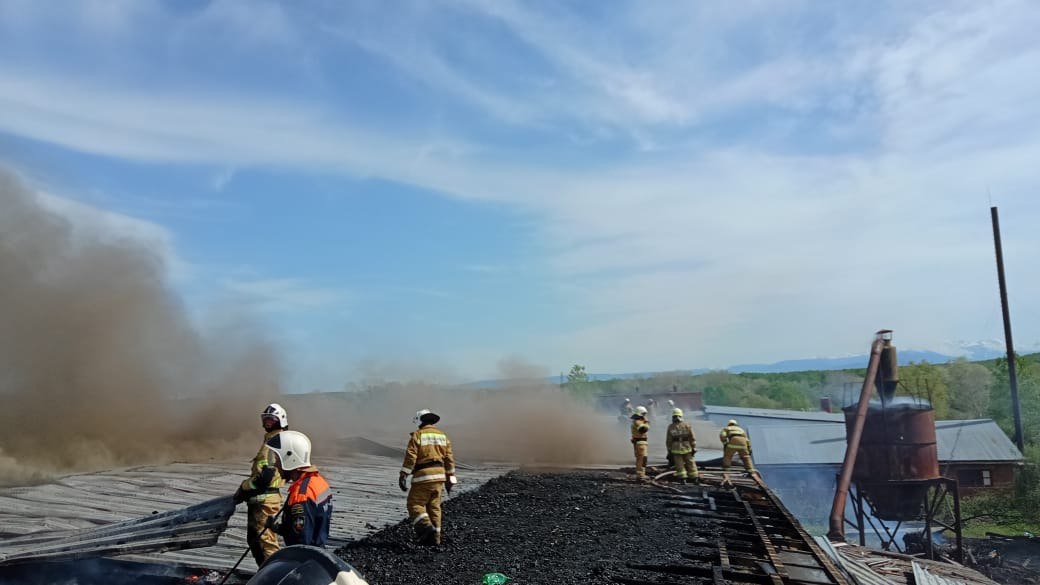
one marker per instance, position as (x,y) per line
(451,187)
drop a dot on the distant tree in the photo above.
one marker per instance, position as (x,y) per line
(970,384)
(927,382)
(1028,376)
(792,395)
(577,374)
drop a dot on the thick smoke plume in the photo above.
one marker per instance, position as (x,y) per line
(99,363)
(101,366)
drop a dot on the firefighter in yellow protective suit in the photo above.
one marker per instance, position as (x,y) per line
(260,490)
(428,459)
(640,430)
(682,445)
(735,441)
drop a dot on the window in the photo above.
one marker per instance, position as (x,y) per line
(974,477)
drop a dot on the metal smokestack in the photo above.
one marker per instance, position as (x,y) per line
(888,369)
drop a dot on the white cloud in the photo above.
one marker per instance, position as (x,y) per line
(284,294)
(718,239)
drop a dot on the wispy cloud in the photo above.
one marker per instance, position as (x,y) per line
(284,294)
(706,177)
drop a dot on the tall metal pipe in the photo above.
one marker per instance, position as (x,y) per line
(841,492)
(1012,377)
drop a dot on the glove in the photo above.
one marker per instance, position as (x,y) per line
(240,496)
(402,481)
(450,483)
(272,523)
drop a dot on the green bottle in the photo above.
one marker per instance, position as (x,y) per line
(494,579)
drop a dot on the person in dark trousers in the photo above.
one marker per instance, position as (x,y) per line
(307,517)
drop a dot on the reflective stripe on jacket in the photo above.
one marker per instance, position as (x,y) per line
(308,510)
(640,428)
(680,438)
(735,437)
(428,456)
(264,477)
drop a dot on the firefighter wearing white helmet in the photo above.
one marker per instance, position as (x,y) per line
(429,460)
(640,430)
(308,507)
(260,490)
(626,408)
(682,445)
(735,441)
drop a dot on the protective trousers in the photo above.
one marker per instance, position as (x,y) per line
(684,465)
(745,457)
(262,544)
(424,510)
(640,452)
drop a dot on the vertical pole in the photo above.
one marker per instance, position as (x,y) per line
(1012,376)
(957,520)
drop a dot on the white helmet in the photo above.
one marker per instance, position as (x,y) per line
(627,400)
(641,410)
(677,412)
(731,423)
(293,449)
(275,411)
(671,402)
(417,419)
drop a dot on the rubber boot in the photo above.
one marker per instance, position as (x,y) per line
(424,534)
(682,480)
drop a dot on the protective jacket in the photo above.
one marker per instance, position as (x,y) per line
(640,429)
(428,456)
(263,481)
(734,437)
(308,510)
(680,438)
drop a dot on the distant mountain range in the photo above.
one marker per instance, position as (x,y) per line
(837,363)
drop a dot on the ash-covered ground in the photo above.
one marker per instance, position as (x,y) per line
(536,528)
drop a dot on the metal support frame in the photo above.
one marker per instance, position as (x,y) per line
(935,494)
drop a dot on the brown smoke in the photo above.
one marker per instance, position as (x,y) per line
(99,363)
(100,366)
(523,419)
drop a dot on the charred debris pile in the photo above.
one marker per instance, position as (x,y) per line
(598,528)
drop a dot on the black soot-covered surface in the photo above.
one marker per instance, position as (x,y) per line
(535,528)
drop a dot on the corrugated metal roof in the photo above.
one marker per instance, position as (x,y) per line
(719,415)
(923,577)
(820,444)
(861,574)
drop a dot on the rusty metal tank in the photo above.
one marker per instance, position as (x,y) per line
(897,455)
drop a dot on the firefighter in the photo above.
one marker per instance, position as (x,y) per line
(651,408)
(428,459)
(308,506)
(626,408)
(260,490)
(682,445)
(640,429)
(734,441)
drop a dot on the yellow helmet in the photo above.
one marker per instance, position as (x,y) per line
(732,422)
(677,412)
